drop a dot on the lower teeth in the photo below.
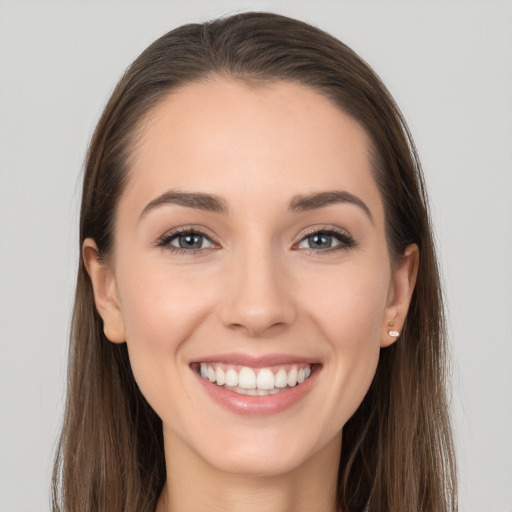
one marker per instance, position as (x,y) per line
(254,392)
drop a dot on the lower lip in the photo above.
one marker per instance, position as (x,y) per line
(249,405)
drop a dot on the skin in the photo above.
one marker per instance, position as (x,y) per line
(256,287)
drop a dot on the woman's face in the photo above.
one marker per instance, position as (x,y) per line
(250,251)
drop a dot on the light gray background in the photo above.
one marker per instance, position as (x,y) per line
(448,64)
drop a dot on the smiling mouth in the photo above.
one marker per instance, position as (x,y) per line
(245,380)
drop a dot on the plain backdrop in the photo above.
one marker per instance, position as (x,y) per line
(449,66)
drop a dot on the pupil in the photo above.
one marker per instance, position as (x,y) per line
(320,241)
(190,241)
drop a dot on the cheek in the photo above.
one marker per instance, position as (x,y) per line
(349,305)
(161,311)
(350,319)
(161,304)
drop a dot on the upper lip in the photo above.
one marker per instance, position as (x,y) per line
(256,361)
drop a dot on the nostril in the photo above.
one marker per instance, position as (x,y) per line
(254,329)
(257,316)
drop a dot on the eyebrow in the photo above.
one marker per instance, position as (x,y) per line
(200,201)
(213,203)
(301,203)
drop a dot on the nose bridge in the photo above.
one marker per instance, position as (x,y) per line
(258,294)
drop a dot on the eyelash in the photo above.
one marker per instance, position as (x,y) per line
(345,239)
(165,240)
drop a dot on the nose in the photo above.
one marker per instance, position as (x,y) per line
(258,295)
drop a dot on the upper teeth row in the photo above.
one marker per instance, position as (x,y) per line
(247,378)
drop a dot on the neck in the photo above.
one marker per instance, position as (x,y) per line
(193,485)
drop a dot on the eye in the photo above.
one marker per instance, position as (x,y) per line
(186,240)
(326,239)
(190,241)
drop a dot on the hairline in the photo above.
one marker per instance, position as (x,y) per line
(255,81)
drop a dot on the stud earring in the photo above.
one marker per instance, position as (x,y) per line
(392,333)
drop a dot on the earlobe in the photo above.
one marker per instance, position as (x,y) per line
(404,280)
(105,292)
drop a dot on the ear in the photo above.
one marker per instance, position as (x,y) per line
(404,277)
(106,295)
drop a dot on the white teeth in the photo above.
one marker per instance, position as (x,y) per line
(247,378)
(265,379)
(292,377)
(260,382)
(221,377)
(231,377)
(281,379)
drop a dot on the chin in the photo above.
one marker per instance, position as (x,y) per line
(261,455)
(260,466)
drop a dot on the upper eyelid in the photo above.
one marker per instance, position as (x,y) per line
(199,230)
(315,229)
(324,229)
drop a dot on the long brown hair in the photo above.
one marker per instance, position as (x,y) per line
(397,448)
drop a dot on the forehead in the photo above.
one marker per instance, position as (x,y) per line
(225,137)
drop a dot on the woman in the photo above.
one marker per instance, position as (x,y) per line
(258,317)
